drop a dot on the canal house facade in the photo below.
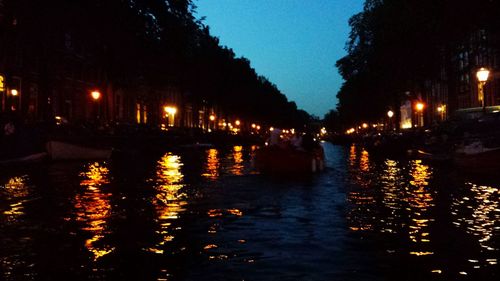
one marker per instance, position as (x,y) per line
(455,86)
(54,78)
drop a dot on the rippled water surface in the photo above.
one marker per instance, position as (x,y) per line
(205,215)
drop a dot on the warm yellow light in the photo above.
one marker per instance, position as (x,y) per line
(482,74)
(420,106)
(170,109)
(237,122)
(365,125)
(253,126)
(440,109)
(390,113)
(2,84)
(212,117)
(14,92)
(258,127)
(95,95)
(271,129)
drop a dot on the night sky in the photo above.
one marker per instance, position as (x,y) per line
(294,43)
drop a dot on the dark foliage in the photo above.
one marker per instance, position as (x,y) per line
(156,43)
(395,45)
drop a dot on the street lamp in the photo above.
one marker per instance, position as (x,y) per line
(14,93)
(482,76)
(442,111)
(96,95)
(420,116)
(420,106)
(390,114)
(211,124)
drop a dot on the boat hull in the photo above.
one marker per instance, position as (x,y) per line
(485,162)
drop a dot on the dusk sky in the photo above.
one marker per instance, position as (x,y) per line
(294,43)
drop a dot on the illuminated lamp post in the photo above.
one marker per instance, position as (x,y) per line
(420,116)
(212,121)
(14,93)
(96,96)
(482,76)
(442,111)
(390,114)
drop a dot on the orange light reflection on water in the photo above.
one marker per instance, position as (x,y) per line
(15,192)
(93,207)
(170,200)
(392,195)
(364,161)
(420,199)
(237,157)
(211,170)
(360,217)
(483,214)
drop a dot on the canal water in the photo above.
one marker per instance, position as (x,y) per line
(206,215)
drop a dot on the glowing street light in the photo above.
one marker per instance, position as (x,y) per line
(95,95)
(420,116)
(170,115)
(170,110)
(212,117)
(390,114)
(419,106)
(482,76)
(442,111)
(237,122)
(14,92)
